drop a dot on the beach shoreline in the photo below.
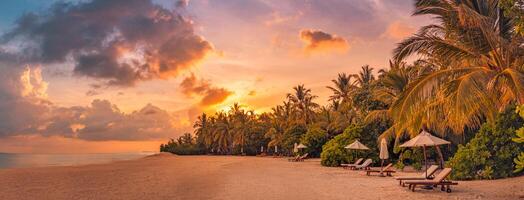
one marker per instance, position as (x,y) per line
(166,176)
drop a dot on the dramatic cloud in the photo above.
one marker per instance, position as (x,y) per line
(192,86)
(398,30)
(25,110)
(316,40)
(119,42)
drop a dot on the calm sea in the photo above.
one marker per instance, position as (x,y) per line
(10,160)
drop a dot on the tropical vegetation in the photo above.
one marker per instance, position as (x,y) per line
(456,78)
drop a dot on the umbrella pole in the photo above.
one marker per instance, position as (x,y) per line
(425,160)
(441,157)
(382,168)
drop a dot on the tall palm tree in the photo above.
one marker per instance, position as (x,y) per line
(223,133)
(243,124)
(390,86)
(342,88)
(484,71)
(365,76)
(302,99)
(202,130)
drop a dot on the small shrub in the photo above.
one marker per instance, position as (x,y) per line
(400,165)
(417,165)
(490,154)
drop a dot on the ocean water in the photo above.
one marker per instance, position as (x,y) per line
(14,160)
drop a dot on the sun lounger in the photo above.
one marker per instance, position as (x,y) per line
(302,158)
(430,171)
(365,165)
(299,158)
(294,159)
(357,162)
(439,179)
(387,170)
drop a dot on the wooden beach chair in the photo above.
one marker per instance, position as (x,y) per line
(294,159)
(365,165)
(430,171)
(439,179)
(357,162)
(387,170)
(302,158)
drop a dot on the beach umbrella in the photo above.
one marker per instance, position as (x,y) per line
(301,146)
(425,139)
(384,154)
(357,146)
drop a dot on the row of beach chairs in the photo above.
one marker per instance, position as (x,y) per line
(428,178)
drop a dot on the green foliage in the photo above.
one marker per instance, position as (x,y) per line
(400,165)
(413,157)
(513,9)
(333,152)
(314,139)
(292,135)
(417,165)
(490,154)
(519,161)
(183,145)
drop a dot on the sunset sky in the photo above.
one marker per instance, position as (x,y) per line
(121,76)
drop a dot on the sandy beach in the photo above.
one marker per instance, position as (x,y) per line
(165,176)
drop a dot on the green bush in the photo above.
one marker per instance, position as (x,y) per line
(519,161)
(413,157)
(333,152)
(292,135)
(490,154)
(314,139)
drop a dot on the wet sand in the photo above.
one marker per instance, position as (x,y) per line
(166,176)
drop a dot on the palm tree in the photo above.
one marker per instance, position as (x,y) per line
(202,131)
(483,73)
(342,88)
(302,99)
(365,76)
(243,124)
(223,133)
(390,86)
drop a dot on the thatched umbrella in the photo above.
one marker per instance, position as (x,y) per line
(384,154)
(425,139)
(301,146)
(357,146)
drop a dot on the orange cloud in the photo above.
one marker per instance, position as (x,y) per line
(398,30)
(317,40)
(210,95)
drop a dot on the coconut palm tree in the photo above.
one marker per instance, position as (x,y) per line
(202,131)
(483,73)
(365,76)
(342,88)
(302,99)
(243,124)
(223,133)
